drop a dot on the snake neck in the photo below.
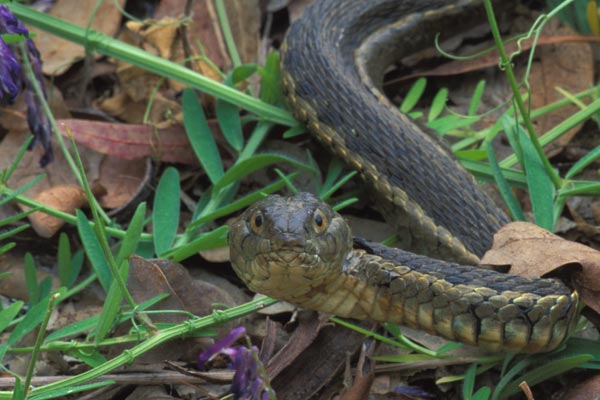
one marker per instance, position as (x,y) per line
(333,62)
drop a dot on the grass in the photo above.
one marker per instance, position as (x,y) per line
(107,245)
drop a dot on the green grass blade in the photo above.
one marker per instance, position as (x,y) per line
(9,233)
(165,212)
(206,241)
(583,162)
(74,329)
(503,187)
(251,164)
(22,189)
(545,372)
(69,391)
(200,136)
(241,202)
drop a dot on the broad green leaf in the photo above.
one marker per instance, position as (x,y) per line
(165,212)
(18,391)
(93,250)
(133,234)
(541,189)
(503,187)
(200,136)
(469,382)
(73,329)
(9,313)
(31,282)
(64,259)
(270,88)
(32,319)
(482,394)
(438,104)
(243,72)
(413,96)
(228,116)
(111,307)
(513,131)
(476,98)
(76,264)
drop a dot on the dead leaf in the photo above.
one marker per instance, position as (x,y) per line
(533,252)
(132,141)
(121,184)
(205,35)
(490,59)
(13,286)
(565,66)
(58,53)
(588,389)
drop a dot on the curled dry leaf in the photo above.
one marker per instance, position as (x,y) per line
(531,251)
(65,198)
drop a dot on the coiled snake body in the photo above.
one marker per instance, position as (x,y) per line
(299,250)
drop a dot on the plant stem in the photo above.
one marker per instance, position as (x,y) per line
(556,180)
(160,337)
(96,41)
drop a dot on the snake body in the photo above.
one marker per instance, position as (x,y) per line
(299,250)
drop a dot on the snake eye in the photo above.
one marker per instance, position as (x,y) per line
(256,222)
(319,221)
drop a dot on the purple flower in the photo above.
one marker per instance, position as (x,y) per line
(249,378)
(10,73)
(12,81)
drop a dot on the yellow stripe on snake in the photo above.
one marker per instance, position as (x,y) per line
(299,250)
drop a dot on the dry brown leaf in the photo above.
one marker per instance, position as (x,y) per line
(122,179)
(56,52)
(588,389)
(565,66)
(131,141)
(244,19)
(531,251)
(14,285)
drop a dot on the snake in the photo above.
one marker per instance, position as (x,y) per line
(299,250)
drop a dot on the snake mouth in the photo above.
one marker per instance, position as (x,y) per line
(290,257)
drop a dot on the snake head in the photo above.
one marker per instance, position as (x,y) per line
(296,239)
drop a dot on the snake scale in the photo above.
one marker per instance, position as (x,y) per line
(299,250)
